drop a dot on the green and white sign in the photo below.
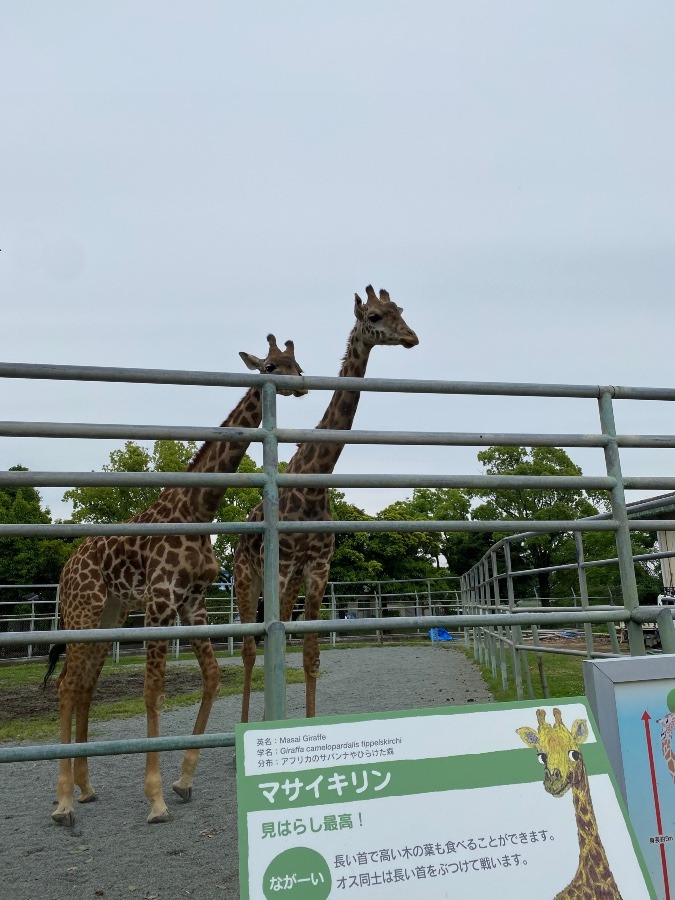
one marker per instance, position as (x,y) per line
(482,801)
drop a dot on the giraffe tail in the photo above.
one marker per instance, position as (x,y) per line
(54,656)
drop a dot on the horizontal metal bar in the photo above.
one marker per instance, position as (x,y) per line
(108,748)
(178,376)
(524,616)
(128,432)
(145,376)
(295,527)
(329,436)
(649,482)
(211,479)
(132,479)
(127,635)
(649,613)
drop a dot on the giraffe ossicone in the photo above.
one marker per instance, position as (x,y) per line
(166,576)
(304,559)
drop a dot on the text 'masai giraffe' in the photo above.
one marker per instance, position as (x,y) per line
(106,578)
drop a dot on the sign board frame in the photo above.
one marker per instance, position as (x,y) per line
(633,699)
(426,803)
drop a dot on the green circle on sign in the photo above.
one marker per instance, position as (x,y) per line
(297,874)
(670,700)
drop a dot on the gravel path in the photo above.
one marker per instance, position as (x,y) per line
(114,854)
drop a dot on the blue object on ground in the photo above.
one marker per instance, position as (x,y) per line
(440,634)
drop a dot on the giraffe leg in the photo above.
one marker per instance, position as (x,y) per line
(64,812)
(210,684)
(95,654)
(315,587)
(153,693)
(248,591)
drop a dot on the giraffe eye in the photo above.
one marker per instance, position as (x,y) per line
(374,317)
(270,367)
(542,758)
(574,755)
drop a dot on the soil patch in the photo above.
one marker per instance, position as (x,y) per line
(22,702)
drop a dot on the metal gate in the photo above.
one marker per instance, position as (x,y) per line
(477,588)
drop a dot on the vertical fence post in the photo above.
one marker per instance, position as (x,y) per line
(516,632)
(500,631)
(664,621)
(583,589)
(275,645)
(624,546)
(230,638)
(333,614)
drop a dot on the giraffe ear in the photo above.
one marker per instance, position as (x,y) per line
(253,362)
(579,730)
(528,736)
(358,306)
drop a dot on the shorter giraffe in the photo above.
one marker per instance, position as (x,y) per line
(558,751)
(667,724)
(166,576)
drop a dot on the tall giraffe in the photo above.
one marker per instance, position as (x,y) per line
(667,724)
(108,577)
(307,557)
(558,751)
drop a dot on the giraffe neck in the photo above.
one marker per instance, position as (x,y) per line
(593,872)
(339,413)
(221,456)
(667,748)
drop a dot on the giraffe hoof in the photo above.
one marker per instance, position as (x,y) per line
(159,818)
(88,799)
(66,819)
(184,793)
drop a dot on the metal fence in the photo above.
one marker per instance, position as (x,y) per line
(473,616)
(35,607)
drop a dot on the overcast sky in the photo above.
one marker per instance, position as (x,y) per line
(176,180)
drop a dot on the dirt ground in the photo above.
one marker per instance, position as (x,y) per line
(112,853)
(29,700)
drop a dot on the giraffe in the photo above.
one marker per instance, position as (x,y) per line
(667,724)
(306,557)
(165,575)
(558,751)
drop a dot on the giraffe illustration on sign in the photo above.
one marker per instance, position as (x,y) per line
(667,724)
(558,751)
(164,575)
(305,558)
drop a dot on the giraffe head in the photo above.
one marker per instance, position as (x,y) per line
(667,724)
(379,321)
(277,362)
(558,751)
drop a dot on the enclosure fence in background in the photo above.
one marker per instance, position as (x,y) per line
(479,592)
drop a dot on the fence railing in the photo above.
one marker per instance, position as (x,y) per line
(473,617)
(36,608)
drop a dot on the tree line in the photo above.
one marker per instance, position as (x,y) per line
(362,556)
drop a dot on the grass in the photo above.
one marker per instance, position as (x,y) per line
(44,726)
(564,675)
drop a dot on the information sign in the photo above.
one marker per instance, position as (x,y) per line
(483,801)
(634,702)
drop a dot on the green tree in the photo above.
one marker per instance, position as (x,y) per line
(351,562)
(457,551)
(28,560)
(534,505)
(117,504)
